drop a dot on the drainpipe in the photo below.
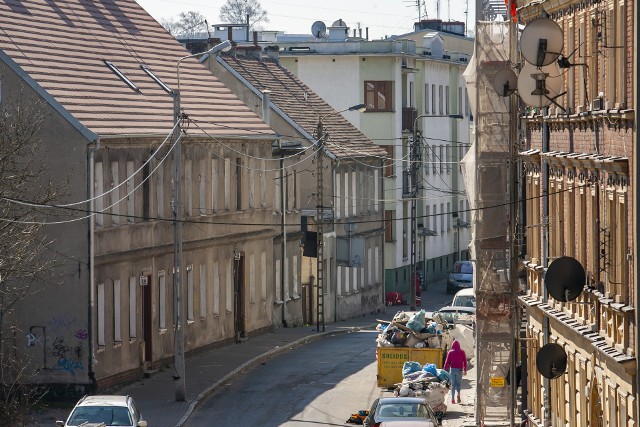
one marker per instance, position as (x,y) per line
(91,237)
(545,254)
(634,181)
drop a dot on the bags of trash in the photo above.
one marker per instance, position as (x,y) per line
(416,322)
(410,367)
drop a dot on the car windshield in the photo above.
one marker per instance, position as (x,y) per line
(109,415)
(402,410)
(464,301)
(463,267)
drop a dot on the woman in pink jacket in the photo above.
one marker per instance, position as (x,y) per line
(456,362)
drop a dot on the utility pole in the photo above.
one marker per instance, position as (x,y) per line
(414,160)
(178,339)
(320,229)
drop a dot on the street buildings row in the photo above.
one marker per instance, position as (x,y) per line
(251,132)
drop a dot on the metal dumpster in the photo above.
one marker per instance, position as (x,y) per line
(391,360)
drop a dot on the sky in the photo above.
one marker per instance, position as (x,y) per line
(382,17)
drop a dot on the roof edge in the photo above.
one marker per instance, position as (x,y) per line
(33,84)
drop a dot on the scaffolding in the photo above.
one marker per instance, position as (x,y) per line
(489,172)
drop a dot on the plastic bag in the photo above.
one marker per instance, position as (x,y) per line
(416,322)
(410,367)
(443,375)
(431,368)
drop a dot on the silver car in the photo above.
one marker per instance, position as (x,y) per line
(387,410)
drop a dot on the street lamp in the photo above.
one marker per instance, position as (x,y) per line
(415,158)
(178,339)
(320,138)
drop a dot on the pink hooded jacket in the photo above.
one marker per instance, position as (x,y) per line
(456,358)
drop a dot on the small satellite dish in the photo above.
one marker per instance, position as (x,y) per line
(551,361)
(541,41)
(505,82)
(540,86)
(318,29)
(565,278)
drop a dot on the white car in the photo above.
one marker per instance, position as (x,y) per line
(464,298)
(104,410)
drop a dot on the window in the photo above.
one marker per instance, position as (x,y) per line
(441,158)
(252,184)
(337,206)
(433,99)
(448,215)
(377,95)
(252,278)
(442,215)
(100,305)
(346,194)
(227,183)
(229,289)
(216,289)
(238,184)
(117,335)
(202,201)
(189,292)
(389,162)
(376,260)
(446,100)
(440,100)
(376,201)
(388,226)
(98,187)
(160,191)
(339,281)
(427,101)
(447,158)
(133,322)
(203,291)
(131,206)
(263,279)
(263,184)
(214,185)
(115,193)
(278,280)
(354,193)
(188,187)
(162,300)
(460,110)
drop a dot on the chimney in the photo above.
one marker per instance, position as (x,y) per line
(367,32)
(255,38)
(360,32)
(273,52)
(266,107)
(354,32)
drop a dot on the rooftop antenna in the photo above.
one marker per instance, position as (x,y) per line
(319,29)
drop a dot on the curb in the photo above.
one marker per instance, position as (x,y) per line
(200,398)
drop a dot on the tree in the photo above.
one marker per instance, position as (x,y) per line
(25,264)
(236,11)
(190,24)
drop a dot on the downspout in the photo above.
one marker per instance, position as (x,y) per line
(636,165)
(545,254)
(91,237)
(334,279)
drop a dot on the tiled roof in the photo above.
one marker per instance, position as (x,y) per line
(63,46)
(304,106)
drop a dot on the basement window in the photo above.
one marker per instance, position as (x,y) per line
(155,78)
(118,73)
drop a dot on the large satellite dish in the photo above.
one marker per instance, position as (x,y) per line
(551,361)
(541,42)
(505,82)
(319,29)
(565,278)
(539,86)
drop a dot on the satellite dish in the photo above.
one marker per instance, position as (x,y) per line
(565,278)
(540,86)
(318,29)
(541,41)
(551,361)
(505,82)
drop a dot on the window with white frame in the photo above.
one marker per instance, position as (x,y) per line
(216,289)
(117,313)
(346,194)
(228,286)
(190,292)
(203,291)
(427,101)
(263,184)
(188,186)
(202,187)
(131,205)
(160,192)
(215,190)
(115,193)
(338,196)
(433,99)
(440,100)
(442,215)
(162,300)
(376,189)
(252,278)
(446,100)
(99,190)
(227,183)
(133,307)
(354,192)
(100,303)
(263,276)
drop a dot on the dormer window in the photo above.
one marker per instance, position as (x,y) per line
(118,73)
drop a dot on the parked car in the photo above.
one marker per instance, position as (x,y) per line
(464,298)
(457,315)
(460,276)
(105,410)
(388,410)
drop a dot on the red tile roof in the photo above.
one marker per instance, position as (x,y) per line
(304,106)
(63,46)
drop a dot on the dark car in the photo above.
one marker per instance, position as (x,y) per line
(387,409)
(460,276)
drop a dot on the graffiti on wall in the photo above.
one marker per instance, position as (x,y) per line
(58,354)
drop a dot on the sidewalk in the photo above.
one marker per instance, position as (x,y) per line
(210,370)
